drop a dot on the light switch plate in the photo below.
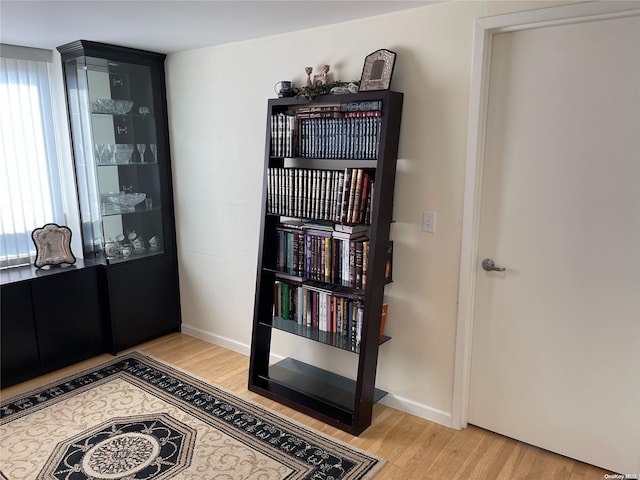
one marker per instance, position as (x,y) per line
(429,221)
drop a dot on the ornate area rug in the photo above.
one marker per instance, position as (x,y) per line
(135,418)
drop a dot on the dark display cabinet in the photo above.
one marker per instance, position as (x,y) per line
(116,102)
(324,256)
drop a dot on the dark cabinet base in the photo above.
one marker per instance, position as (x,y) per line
(52,318)
(20,360)
(144,300)
(69,319)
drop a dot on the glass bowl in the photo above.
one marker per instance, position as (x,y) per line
(116,202)
(123,152)
(110,105)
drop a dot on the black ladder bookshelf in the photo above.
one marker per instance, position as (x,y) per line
(318,143)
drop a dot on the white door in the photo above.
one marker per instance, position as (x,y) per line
(556,338)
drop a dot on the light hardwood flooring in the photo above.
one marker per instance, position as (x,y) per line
(415,449)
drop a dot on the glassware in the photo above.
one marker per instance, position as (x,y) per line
(99,151)
(123,153)
(112,147)
(154,149)
(141,149)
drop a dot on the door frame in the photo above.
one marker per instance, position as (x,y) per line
(485,29)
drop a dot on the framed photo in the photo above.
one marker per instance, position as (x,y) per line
(377,70)
(53,245)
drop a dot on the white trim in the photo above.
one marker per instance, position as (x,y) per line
(225,342)
(470,223)
(485,28)
(418,409)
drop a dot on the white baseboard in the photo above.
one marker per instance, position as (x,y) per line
(225,342)
(400,403)
(418,409)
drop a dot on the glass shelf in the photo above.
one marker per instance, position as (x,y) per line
(128,115)
(313,333)
(134,256)
(318,384)
(122,164)
(144,210)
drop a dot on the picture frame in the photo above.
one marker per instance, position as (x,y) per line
(53,245)
(377,70)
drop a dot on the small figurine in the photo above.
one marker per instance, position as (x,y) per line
(154,243)
(308,71)
(325,74)
(322,78)
(110,248)
(138,245)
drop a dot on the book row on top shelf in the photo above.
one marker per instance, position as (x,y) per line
(342,131)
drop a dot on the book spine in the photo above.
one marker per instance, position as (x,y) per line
(299,305)
(358,264)
(365,263)
(301,253)
(323,195)
(362,114)
(352,263)
(356,197)
(319,108)
(366,182)
(352,193)
(285,301)
(318,115)
(276,299)
(364,105)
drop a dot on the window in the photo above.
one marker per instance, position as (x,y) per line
(30,181)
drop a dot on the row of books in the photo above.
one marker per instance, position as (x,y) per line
(334,195)
(331,257)
(350,130)
(283,135)
(339,138)
(316,307)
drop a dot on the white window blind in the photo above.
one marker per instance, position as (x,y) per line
(30,188)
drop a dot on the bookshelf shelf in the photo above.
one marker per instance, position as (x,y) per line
(328,338)
(324,248)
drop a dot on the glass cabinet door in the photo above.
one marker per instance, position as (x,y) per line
(116,156)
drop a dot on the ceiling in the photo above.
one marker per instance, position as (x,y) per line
(167,26)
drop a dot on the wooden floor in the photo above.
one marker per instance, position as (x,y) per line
(415,449)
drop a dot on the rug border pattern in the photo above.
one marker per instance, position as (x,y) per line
(229,413)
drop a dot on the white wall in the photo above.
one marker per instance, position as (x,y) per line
(217,109)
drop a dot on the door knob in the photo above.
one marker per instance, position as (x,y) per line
(490,266)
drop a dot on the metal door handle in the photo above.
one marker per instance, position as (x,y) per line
(490,266)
